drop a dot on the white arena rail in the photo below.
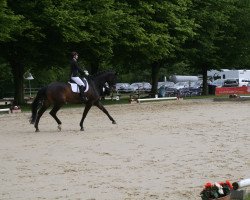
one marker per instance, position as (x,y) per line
(5,110)
(157,99)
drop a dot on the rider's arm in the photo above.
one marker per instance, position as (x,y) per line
(80,70)
(83,71)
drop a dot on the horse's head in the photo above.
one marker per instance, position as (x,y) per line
(111,80)
(107,77)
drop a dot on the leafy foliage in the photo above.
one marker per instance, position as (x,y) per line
(152,30)
(9,22)
(138,38)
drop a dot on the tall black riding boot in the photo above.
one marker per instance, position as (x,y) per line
(83,97)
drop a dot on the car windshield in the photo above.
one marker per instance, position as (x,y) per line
(195,84)
(165,84)
(218,82)
(229,81)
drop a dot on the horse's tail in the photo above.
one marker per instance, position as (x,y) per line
(41,94)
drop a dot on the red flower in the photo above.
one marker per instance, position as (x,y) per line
(229,184)
(208,185)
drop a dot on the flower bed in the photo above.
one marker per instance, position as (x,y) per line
(219,190)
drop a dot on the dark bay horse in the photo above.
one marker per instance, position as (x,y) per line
(57,94)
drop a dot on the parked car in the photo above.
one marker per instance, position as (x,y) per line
(195,91)
(196,84)
(141,86)
(118,86)
(136,86)
(165,84)
(218,82)
(181,89)
(231,83)
(123,87)
(184,92)
(195,88)
(180,85)
(167,92)
(244,82)
(147,86)
(159,84)
(166,89)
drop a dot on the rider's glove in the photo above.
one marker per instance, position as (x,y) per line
(86,72)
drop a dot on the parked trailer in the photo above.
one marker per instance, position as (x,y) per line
(179,78)
(242,76)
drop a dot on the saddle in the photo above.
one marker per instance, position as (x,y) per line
(75,87)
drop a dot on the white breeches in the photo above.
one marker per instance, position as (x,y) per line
(77,80)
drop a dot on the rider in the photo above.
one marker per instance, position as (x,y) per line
(75,70)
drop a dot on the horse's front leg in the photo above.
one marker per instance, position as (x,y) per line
(53,114)
(84,114)
(101,107)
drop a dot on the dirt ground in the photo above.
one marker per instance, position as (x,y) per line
(157,150)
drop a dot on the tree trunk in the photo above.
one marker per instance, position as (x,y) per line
(204,85)
(18,71)
(154,76)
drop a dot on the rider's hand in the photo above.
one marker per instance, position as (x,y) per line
(86,72)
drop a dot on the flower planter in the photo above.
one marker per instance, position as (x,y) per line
(211,191)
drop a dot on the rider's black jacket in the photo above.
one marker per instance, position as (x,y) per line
(75,69)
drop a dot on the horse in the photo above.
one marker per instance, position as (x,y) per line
(59,93)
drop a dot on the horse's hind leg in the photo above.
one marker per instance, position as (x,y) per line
(53,114)
(39,115)
(101,107)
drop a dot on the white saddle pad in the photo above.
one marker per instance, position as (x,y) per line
(75,87)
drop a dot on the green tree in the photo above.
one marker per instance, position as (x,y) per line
(6,80)
(13,26)
(101,25)
(42,39)
(51,29)
(151,33)
(9,22)
(205,49)
(235,50)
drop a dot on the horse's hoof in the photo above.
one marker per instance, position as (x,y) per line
(59,127)
(37,130)
(114,122)
(82,129)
